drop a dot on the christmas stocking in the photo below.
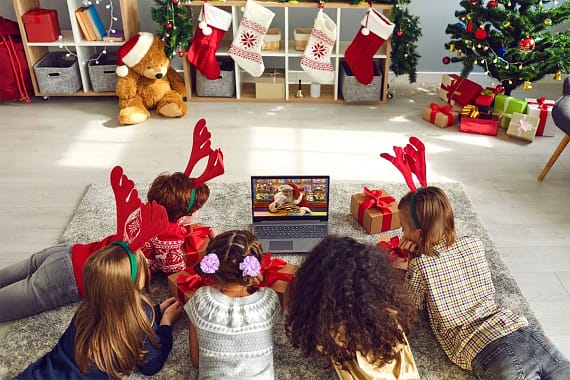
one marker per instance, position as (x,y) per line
(246,47)
(214,22)
(316,59)
(375,29)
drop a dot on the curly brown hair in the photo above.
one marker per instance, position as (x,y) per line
(173,192)
(232,247)
(346,298)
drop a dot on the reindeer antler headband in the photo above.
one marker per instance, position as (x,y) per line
(408,160)
(149,219)
(201,147)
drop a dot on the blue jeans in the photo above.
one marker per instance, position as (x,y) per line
(523,354)
(42,282)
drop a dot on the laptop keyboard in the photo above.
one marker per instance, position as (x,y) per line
(290,231)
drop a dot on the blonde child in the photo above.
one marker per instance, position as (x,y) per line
(451,279)
(230,332)
(182,197)
(347,303)
(115,329)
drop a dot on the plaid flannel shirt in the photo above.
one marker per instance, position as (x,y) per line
(457,289)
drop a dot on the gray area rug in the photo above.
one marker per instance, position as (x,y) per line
(229,208)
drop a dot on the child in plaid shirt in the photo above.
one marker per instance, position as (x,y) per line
(450,277)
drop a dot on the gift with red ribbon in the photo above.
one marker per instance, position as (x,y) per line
(484,102)
(480,126)
(441,115)
(196,239)
(392,245)
(41,25)
(277,274)
(184,284)
(455,88)
(375,210)
(542,109)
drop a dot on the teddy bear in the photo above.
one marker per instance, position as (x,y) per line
(146,81)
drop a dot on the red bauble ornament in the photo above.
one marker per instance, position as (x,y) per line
(481,34)
(492,4)
(400,32)
(500,89)
(175,2)
(168,25)
(473,1)
(180,53)
(470,27)
(446,60)
(526,44)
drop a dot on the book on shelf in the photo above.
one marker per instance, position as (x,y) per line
(88,34)
(117,36)
(100,29)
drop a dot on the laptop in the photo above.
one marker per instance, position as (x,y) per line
(290,213)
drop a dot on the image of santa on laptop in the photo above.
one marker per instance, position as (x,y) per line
(289,199)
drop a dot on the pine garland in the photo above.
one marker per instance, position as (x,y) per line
(174,25)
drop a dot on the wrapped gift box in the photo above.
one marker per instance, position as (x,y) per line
(195,243)
(271,85)
(523,126)
(484,103)
(443,116)
(375,219)
(479,126)
(542,109)
(181,292)
(505,105)
(282,288)
(41,25)
(455,88)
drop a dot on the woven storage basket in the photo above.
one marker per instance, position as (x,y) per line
(102,75)
(58,74)
(354,91)
(301,38)
(223,87)
(272,39)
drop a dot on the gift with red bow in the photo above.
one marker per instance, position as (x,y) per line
(441,115)
(196,240)
(375,210)
(542,109)
(277,274)
(392,245)
(455,88)
(484,102)
(184,284)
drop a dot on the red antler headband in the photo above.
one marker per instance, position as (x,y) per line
(408,160)
(149,219)
(201,147)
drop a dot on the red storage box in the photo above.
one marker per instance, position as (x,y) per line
(480,126)
(41,25)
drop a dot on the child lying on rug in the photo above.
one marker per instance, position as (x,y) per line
(230,331)
(347,303)
(115,328)
(183,197)
(53,277)
(451,278)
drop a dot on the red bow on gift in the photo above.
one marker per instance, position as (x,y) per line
(393,247)
(270,270)
(543,106)
(194,237)
(191,282)
(446,109)
(375,199)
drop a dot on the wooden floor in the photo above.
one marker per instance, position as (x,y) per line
(51,150)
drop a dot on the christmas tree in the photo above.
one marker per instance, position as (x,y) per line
(512,40)
(174,25)
(404,58)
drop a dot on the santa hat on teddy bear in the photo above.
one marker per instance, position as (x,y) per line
(132,51)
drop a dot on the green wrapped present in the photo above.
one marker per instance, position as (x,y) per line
(504,107)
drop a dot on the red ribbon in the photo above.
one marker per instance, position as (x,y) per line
(452,88)
(446,109)
(376,199)
(393,247)
(543,106)
(270,270)
(194,237)
(190,282)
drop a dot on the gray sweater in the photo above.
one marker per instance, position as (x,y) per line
(234,334)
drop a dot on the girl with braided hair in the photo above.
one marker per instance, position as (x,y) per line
(349,304)
(230,332)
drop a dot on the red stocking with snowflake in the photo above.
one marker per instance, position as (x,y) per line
(375,29)
(316,59)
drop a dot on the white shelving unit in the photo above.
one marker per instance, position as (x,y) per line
(127,13)
(287,58)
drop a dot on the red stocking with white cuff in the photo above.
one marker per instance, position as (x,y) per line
(375,29)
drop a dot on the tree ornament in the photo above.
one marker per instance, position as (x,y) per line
(446,60)
(526,44)
(470,27)
(506,24)
(452,47)
(557,75)
(500,89)
(492,4)
(501,51)
(459,52)
(481,34)
(547,22)
(168,25)
(469,17)
(400,33)
(175,2)
(527,85)
(473,1)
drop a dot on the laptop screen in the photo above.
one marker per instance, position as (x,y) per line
(290,197)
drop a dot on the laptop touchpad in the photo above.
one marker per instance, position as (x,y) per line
(281,245)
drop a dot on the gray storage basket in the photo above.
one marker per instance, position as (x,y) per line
(102,75)
(223,87)
(58,74)
(354,91)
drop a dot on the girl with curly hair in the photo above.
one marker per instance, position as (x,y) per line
(230,332)
(349,304)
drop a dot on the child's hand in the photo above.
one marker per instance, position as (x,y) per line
(409,246)
(167,302)
(213,233)
(172,311)
(400,263)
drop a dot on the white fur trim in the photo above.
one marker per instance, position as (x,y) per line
(378,24)
(216,17)
(326,25)
(258,13)
(122,71)
(285,187)
(138,51)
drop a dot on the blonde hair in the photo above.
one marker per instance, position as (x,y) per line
(434,215)
(113,322)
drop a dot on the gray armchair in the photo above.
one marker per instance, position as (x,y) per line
(561,117)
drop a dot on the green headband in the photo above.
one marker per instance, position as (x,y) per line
(413,208)
(132,258)
(192,198)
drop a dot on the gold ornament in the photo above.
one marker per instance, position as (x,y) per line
(459,52)
(547,22)
(469,17)
(506,24)
(527,85)
(451,47)
(558,75)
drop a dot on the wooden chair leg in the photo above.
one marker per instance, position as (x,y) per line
(554,157)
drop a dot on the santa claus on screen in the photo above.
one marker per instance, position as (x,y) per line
(289,199)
